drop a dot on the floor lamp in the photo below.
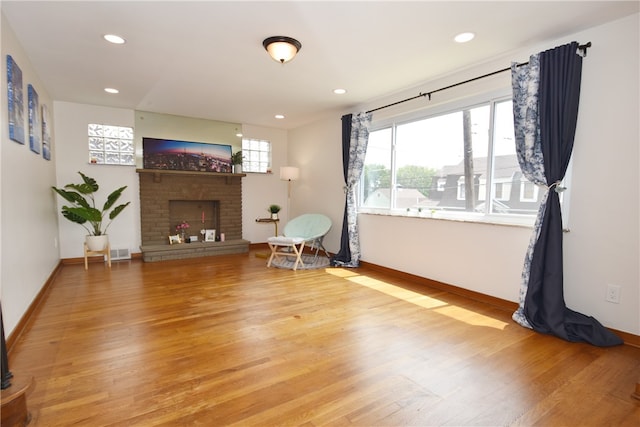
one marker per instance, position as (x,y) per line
(289,173)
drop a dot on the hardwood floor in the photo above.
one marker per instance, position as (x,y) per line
(226,341)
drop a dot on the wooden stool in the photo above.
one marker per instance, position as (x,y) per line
(87,253)
(286,247)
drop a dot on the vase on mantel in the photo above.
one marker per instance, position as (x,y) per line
(237,168)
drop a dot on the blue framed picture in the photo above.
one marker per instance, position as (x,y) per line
(46,134)
(35,126)
(15,101)
(185,156)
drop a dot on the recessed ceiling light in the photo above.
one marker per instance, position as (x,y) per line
(464,37)
(339,91)
(111,90)
(112,38)
(239,135)
(279,116)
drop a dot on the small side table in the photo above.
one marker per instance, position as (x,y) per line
(275,223)
(87,253)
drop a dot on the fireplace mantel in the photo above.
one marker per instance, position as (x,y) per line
(157,173)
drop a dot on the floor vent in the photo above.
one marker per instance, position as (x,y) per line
(120,254)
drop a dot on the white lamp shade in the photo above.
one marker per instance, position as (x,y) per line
(289,173)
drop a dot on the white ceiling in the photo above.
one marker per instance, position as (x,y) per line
(205,58)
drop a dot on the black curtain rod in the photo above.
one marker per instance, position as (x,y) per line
(582,47)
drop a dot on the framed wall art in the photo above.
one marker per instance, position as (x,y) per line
(15,99)
(46,134)
(185,156)
(35,126)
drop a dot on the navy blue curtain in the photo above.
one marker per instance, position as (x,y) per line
(545,308)
(344,255)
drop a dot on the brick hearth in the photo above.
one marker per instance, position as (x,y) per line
(159,187)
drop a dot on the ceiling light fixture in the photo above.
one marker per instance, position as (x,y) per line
(282,48)
(339,91)
(111,90)
(112,38)
(279,116)
(464,37)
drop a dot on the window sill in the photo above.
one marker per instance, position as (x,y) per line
(511,221)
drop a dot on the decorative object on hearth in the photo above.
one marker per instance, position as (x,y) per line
(83,209)
(182,230)
(210,236)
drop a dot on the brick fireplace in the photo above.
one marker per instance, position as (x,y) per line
(168,198)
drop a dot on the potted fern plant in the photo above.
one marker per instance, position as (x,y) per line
(83,210)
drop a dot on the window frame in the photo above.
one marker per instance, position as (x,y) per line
(94,161)
(246,153)
(491,98)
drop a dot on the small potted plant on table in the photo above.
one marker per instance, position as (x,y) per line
(274,209)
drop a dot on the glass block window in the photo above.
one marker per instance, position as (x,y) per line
(111,145)
(256,155)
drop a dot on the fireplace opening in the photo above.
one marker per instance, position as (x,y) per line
(199,214)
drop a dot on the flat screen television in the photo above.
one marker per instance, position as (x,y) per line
(171,154)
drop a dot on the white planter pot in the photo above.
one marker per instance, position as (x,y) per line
(97,243)
(274,216)
(237,168)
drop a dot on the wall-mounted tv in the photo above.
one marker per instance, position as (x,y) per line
(171,154)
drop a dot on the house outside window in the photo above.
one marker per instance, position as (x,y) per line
(460,162)
(256,155)
(461,188)
(528,191)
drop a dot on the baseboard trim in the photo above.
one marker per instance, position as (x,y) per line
(33,307)
(477,296)
(628,338)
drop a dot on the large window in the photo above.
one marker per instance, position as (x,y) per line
(460,164)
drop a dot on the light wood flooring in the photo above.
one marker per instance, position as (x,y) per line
(226,341)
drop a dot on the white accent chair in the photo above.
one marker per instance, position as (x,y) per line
(307,229)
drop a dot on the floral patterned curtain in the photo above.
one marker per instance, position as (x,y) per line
(546,94)
(355,137)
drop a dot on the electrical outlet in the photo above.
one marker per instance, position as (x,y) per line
(613,294)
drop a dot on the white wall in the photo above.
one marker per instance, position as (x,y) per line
(317,150)
(72,155)
(28,227)
(261,190)
(602,246)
